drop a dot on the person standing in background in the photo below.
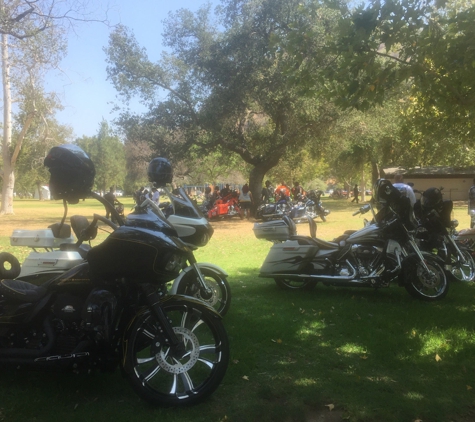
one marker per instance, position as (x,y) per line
(356,193)
(404,188)
(245,200)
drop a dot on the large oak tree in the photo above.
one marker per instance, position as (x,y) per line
(227,82)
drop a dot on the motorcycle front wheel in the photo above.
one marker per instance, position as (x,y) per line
(220,296)
(463,271)
(290,284)
(425,285)
(161,379)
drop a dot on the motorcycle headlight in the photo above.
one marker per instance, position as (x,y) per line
(175,263)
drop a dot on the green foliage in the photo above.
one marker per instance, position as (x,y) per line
(107,153)
(429,45)
(226,82)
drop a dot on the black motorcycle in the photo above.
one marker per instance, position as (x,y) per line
(113,309)
(273,210)
(436,233)
(309,205)
(380,253)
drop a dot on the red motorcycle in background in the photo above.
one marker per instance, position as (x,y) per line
(226,207)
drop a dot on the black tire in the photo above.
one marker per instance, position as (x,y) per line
(424,286)
(461,271)
(290,284)
(220,298)
(10,267)
(162,380)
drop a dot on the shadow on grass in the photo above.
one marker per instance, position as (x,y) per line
(374,355)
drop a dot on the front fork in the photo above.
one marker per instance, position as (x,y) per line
(166,333)
(206,292)
(413,243)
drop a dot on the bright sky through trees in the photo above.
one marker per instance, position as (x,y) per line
(82,86)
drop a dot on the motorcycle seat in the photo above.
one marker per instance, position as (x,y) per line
(323,244)
(22,291)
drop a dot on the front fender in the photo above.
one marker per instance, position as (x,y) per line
(414,256)
(201,265)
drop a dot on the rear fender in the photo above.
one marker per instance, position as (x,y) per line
(201,265)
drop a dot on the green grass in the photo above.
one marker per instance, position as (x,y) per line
(374,355)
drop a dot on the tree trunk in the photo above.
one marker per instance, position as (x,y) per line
(374,172)
(363,186)
(256,177)
(8,169)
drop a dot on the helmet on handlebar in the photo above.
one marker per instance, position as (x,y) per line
(72,173)
(160,171)
(432,199)
(384,191)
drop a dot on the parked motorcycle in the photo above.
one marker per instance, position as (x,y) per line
(227,207)
(273,211)
(437,233)
(113,309)
(204,281)
(309,206)
(374,256)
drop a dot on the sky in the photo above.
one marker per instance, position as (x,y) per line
(82,83)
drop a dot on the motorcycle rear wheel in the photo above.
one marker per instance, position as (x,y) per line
(290,284)
(220,298)
(161,379)
(422,285)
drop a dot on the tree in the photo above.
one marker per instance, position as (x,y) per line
(108,155)
(428,44)
(226,83)
(41,136)
(32,37)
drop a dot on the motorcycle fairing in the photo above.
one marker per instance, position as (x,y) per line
(149,250)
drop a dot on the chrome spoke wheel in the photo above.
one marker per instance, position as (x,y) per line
(163,377)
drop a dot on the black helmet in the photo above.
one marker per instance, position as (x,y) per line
(431,199)
(72,173)
(160,171)
(384,191)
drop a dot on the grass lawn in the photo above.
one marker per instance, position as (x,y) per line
(331,354)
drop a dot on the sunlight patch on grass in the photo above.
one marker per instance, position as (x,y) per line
(448,340)
(351,348)
(412,395)
(306,382)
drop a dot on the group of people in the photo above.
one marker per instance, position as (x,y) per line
(282,192)
(244,195)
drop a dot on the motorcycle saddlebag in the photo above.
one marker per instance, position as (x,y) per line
(273,230)
(288,257)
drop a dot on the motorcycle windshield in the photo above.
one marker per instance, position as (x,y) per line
(182,205)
